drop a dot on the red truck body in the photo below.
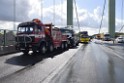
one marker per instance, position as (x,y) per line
(39,37)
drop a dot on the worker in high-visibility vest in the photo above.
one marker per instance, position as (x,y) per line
(47,32)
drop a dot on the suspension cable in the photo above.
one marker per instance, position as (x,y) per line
(121,28)
(42,10)
(77,15)
(54,11)
(14,13)
(122,16)
(102,15)
(61,12)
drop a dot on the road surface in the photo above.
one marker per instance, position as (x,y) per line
(96,62)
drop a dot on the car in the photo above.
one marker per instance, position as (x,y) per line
(120,39)
(107,37)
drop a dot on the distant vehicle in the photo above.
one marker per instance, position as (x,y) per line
(99,36)
(107,37)
(120,39)
(84,38)
(91,37)
(73,40)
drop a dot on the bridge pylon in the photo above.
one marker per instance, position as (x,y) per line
(111,21)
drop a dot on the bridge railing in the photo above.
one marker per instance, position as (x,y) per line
(7,37)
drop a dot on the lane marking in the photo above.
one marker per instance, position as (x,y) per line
(57,70)
(114,52)
(110,48)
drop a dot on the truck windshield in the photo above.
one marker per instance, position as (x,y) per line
(67,31)
(27,30)
(84,36)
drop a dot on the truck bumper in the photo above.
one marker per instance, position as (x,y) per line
(31,47)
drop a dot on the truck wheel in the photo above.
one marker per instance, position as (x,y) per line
(34,52)
(77,44)
(51,48)
(25,51)
(74,45)
(62,46)
(66,46)
(43,49)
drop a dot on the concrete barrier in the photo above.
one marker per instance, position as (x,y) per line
(7,49)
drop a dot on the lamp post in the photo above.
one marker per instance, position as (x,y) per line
(14,14)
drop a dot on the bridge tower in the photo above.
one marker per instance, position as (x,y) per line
(70,13)
(111,14)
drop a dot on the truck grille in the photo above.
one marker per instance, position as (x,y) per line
(24,39)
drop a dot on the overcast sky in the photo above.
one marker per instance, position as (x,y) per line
(89,11)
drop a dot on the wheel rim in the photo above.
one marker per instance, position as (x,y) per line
(51,48)
(74,44)
(43,49)
(62,46)
(25,51)
(66,45)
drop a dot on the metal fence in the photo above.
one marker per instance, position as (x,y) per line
(7,37)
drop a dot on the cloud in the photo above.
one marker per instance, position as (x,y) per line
(35,9)
(28,9)
(90,19)
(22,8)
(57,15)
(8,25)
(86,18)
(119,24)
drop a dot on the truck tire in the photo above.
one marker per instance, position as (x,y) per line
(51,48)
(65,45)
(77,44)
(62,46)
(25,52)
(43,49)
(34,52)
(74,44)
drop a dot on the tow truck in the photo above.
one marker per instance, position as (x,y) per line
(39,37)
(73,40)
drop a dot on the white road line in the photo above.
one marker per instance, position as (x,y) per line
(114,53)
(52,74)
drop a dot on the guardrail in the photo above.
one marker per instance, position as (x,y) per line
(7,37)
(7,41)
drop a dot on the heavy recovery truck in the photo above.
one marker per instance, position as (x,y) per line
(73,40)
(39,37)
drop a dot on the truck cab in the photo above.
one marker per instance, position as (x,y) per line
(29,34)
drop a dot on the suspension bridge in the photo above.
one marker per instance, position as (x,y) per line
(98,61)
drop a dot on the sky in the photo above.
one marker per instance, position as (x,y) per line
(54,11)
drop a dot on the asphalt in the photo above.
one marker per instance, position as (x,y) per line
(95,62)
(33,68)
